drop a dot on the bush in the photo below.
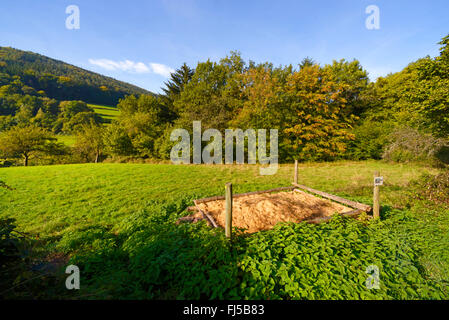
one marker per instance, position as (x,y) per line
(88,239)
(411,145)
(6,163)
(9,241)
(371,137)
(434,188)
(13,257)
(163,145)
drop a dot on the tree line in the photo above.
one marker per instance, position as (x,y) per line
(322,112)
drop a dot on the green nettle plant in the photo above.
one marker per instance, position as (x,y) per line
(11,262)
(155,258)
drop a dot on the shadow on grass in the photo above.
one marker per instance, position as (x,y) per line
(26,267)
(386,211)
(153,258)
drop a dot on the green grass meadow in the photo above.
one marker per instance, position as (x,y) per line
(106,112)
(68,140)
(117,223)
(52,199)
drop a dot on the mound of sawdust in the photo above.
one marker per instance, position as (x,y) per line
(263,211)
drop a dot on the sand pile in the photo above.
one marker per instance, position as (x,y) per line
(263,211)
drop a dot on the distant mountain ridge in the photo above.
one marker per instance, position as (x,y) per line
(63,81)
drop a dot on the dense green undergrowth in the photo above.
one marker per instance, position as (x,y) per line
(145,254)
(156,259)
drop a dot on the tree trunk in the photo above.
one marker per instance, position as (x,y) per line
(25,161)
(97,155)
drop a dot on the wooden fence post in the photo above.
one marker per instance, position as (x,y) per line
(228,227)
(376,204)
(296,172)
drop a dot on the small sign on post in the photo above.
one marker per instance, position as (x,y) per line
(378,181)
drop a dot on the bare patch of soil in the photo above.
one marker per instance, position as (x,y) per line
(263,211)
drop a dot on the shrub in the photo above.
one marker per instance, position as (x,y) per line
(91,238)
(6,163)
(371,137)
(13,254)
(434,188)
(411,145)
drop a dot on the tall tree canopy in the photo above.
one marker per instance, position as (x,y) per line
(212,94)
(24,142)
(142,120)
(178,80)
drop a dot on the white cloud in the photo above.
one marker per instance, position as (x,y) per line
(131,66)
(127,65)
(161,69)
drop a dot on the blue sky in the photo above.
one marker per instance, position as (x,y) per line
(140,42)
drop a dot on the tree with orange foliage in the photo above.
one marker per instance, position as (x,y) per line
(322,126)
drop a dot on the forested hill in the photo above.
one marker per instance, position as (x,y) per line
(60,80)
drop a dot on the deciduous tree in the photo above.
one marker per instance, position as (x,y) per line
(25,142)
(90,142)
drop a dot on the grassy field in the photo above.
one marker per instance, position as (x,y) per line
(111,192)
(68,140)
(106,112)
(117,222)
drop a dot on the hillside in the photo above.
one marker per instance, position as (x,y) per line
(61,81)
